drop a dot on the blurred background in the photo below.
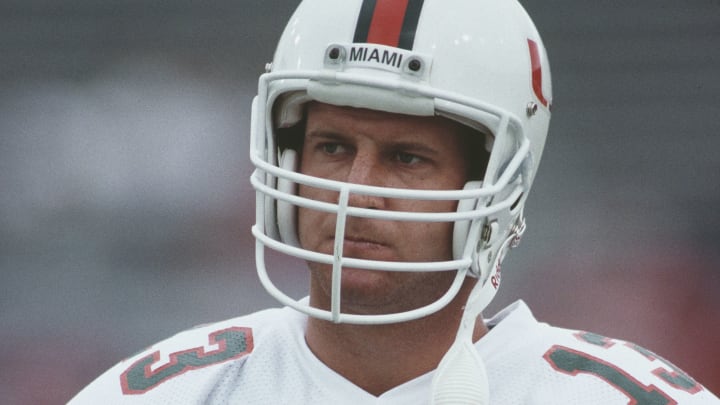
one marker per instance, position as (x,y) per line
(125,206)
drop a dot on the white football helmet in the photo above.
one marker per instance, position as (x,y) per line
(479,62)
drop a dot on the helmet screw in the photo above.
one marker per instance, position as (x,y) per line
(334,53)
(415,65)
(532,108)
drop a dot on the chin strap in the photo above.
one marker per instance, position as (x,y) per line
(461,377)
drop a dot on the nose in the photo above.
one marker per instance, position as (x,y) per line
(366,169)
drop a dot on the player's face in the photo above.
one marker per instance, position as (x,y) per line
(390,150)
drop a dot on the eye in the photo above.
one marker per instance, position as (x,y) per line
(407,158)
(331,148)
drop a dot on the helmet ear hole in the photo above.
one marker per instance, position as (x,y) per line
(287,212)
(462,228)
(517,202)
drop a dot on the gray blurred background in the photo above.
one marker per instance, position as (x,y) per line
(125,206)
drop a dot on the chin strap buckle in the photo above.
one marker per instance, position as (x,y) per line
(517,230)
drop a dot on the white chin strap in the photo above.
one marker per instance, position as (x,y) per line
(461,377)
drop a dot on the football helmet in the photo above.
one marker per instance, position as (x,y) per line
(481,63)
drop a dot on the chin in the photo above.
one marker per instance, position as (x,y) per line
(361,290)
(380,292)
(366,280)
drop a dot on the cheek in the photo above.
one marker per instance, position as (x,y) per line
(304,229)
(429,241)
(422,205)
(433,240)
(311,221)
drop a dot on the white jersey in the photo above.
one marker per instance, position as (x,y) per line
(262,358)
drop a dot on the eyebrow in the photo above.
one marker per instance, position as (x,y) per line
(418,147)
(413,147)
(324,133)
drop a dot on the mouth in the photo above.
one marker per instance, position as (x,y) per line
(364,247)
(362,239)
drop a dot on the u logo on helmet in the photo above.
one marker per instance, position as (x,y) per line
(536,69)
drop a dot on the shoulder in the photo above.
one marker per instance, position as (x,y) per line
(203,354)
(625,367)
(574,364)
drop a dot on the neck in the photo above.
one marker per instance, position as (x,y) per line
(378,358)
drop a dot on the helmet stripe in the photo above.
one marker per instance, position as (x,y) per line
(388,22)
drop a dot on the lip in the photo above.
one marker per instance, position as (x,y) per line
(363,247)
(364,239)
(362,243)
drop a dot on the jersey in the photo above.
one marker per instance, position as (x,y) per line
(263,358)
